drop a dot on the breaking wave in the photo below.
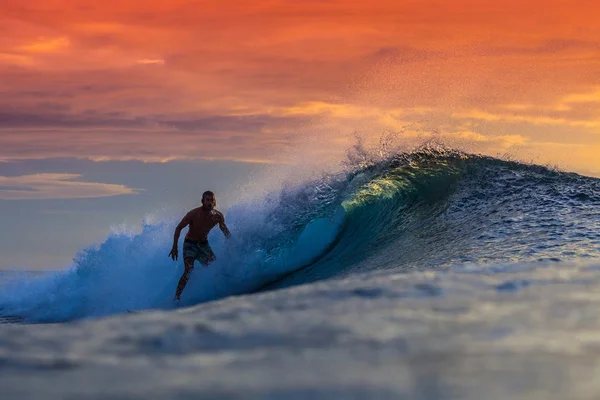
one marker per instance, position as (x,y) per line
(431,208)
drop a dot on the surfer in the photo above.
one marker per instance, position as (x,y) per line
(195,245)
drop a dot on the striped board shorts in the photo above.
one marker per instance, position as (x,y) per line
(199,251)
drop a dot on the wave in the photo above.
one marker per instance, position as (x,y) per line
(430,208)
(437,208)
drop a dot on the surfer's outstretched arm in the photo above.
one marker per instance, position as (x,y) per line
(223,227)
(174,254)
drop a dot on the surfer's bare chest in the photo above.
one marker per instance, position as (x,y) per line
(202,222)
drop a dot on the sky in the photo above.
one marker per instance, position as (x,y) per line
(113,111)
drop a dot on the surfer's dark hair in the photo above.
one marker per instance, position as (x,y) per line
(207,193)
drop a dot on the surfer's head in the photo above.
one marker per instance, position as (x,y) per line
(209,201)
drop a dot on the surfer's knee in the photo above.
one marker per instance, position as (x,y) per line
(189,265)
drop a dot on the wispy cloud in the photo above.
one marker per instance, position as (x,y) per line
(15,59)
(147,61)
(589,97)
(528,119)
(46,45)
(56,186)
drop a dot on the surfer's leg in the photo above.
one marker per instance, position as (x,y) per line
(189,267)
(190,253)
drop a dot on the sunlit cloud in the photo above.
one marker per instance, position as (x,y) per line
(148,61)
(56,186)
(590,97)
(46,45)
(537,107)
(16,59)
(528,119)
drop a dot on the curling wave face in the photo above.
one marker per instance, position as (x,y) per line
(428,209)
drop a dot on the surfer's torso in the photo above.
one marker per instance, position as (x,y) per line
(201,222)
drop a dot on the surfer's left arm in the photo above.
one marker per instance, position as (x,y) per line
(223,227)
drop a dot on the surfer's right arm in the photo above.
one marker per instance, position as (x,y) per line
(174,254)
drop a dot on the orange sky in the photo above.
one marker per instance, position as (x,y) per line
(245,80)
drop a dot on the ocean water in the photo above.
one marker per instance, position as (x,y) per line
(426,275)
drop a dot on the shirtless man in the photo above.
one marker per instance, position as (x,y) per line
(195,246)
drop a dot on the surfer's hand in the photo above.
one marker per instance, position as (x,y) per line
(174,254)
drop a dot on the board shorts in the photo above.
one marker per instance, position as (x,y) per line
(200,251)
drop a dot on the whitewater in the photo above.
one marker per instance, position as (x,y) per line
(431,274)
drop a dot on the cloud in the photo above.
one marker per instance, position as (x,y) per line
(56,186)
(15,59)
(537,107)
(148,61)
(164,80)
(528,119)
(46,45)
(589,97)
(548,47)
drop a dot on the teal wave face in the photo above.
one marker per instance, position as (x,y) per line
(431,209)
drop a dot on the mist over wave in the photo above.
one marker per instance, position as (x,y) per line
(426,209)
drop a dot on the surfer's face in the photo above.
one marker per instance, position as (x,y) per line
(209,202)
